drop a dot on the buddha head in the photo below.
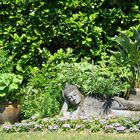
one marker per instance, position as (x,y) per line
(72,94)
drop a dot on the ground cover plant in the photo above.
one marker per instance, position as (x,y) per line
(108,124)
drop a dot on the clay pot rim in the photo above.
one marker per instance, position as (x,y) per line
(9,103)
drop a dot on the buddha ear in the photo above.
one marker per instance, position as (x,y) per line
(67,85)
(63,94)
(65,99)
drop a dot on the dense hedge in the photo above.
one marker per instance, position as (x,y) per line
(27,27)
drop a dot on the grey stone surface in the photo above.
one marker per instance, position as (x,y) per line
(125,113)
(134,94)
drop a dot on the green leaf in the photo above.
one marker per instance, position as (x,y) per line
(13,86)
(2,94)
(17,79)
(136,34)
(2,87)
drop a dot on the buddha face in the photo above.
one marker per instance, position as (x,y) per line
(74,97)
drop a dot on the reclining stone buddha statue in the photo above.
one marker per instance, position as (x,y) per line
(89,106)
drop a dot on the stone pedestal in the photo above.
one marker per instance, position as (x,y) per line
(125,113)
(134,95)
(135,98)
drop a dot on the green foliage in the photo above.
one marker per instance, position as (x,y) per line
(106,78)
(32,32)
(129,54)
(9,82)
(45,101)
(27,27)
(5,64)
(43,92)
(9,86)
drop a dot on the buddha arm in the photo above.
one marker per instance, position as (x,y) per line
(64,108)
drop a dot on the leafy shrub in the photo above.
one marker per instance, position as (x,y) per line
(104,78)
(9,86)
(129,54)
(5,63)
(46,102)
(43,93)
(9,81)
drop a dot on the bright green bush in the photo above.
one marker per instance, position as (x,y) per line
(105,78)
(9,82)
(45,101)
(9,87)
(5,64)
(42,95)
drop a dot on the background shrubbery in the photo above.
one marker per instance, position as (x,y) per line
(35,37)
(27,27)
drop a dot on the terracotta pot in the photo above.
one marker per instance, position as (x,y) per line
(9,112)
(134,94)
